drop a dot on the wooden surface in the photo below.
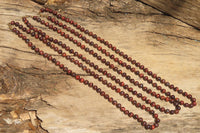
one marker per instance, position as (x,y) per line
(35,96)
(185,10)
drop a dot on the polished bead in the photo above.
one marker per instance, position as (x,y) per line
(130,114)
(180,91)
(193,99)
(135,116)
(152,127)
(122,93)
(143,107)
(147,109)
(144,123)
(167,111)
(102,93)
(130,99)
(130,89)
(134,102)
(147,126)
(194,103)
(117,90)
(140,120)
(98,90)
(157,120)
(156,125)
(122,109)
(110,99)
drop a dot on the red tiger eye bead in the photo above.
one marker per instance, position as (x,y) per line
(30,44)
(194,103)
(122,109)
(117,90)
(147,109)
(57,63)
(130,114)
(126,112)
(143,107)
(152,127)
(141,75)
(81,80)
(77,77)
(61,66)
(41,52)
(12,22)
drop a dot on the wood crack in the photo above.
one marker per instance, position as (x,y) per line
(38,119)
(47,103)
(24,51)
(171,35)
(143,14)
(156,22)
(6,47)
(47,73)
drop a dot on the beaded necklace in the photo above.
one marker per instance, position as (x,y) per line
(52,42)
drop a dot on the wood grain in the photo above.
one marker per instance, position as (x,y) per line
(29,83)
(184,10)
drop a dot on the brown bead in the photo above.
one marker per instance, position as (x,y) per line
(157,106)
(144,98)
(98,90)
(130,114)
(134,102)
(143,107)
(130,99)
(106,96)
(157,120)
(140,120)
(147,109)
(180,91)
(151,112)
(149,73)
(144,88)
(130,89)
(193,99)
(114,102)
(189,96)
(167,111)
(144,123)
(145,78)
(155,115)
(194,103)
(135,116)
(148,101)
(122,93)
(122,109)
(110,99)
(102,93)
(153,104)
(61,66)
(163,81)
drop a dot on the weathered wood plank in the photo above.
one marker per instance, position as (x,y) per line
(29,83)
(185,10)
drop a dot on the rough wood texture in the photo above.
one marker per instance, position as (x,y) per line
(35,96)
(185,10)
